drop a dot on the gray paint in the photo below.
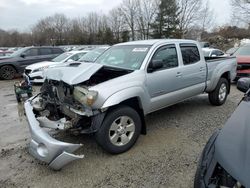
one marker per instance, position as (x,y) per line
(154,90)
(232,149)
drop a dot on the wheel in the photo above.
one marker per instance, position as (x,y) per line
(18,97)
(7,72)
(219,95)
(119,130)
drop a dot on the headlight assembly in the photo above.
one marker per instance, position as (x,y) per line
(84,96)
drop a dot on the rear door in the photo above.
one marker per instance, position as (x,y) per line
(193,71)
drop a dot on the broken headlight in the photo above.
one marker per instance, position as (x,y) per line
(84,96)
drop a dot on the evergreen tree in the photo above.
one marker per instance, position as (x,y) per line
(166,21)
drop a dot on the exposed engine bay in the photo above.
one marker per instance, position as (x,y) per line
(64,106)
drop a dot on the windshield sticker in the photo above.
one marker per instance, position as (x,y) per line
(140,49)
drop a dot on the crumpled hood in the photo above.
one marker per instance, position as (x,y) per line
(232,146)
(41,64)
(72,75)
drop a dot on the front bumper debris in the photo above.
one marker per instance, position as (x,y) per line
(45,148)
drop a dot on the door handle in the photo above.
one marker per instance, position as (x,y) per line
(178,74)
(201,68)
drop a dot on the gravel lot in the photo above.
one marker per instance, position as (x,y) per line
(165,157)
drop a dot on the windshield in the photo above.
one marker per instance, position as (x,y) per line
(62,57)
(126,57)
(92,55)
(243,51)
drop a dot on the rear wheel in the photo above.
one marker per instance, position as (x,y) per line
(219,95)
(7,72)
(120,130)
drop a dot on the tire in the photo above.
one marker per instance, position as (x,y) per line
(18,98)
(7,72)
(219,96)
(119,130)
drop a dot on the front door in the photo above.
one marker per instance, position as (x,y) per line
(163,83)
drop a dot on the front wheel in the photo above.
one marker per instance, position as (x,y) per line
(219,95)
(7,72)
(120,130)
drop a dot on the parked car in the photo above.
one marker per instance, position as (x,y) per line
(111,97)
(225,160)
(16,62)
(35,71)
(212,52)
(93,54)
(5,53)
(243,59)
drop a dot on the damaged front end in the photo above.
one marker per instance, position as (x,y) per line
(60,106)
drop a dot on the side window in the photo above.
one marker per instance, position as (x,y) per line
(190,54)
(45,51)
(219,53)
(31,52)
(168,55)
(57,51)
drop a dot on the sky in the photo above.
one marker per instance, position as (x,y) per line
(22,14)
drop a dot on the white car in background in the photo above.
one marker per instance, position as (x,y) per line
(35,71)
(213,52)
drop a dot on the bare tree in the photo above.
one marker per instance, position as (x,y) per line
(241,11)
(146,11)
(189,14)
(116,22)
(129,9)
(206,17)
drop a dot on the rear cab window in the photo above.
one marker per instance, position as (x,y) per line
(190,53)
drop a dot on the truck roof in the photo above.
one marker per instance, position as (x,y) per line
(156,41)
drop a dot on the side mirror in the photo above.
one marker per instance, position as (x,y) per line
(213,55)
(243,84)
(155,65)
(23,55)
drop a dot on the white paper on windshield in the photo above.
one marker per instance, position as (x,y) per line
(140,49)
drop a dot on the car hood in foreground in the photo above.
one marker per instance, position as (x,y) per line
(232,147)
(72,74)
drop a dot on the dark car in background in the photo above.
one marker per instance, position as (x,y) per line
(225,160)
(12,65)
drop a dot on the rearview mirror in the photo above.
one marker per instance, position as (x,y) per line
(243,84)
(155,65)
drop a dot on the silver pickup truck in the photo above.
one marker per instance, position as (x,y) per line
(111,97)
